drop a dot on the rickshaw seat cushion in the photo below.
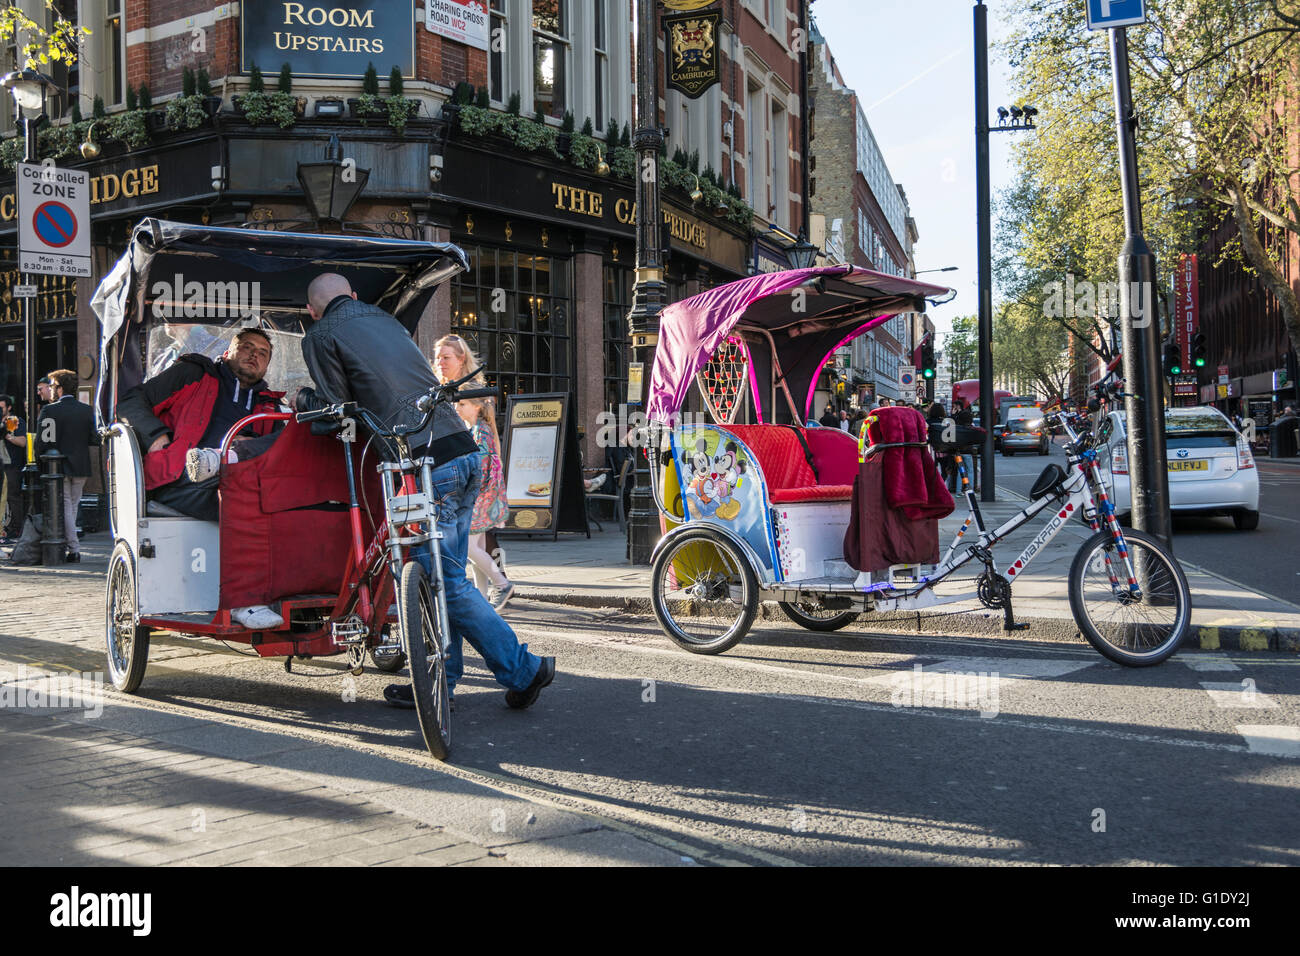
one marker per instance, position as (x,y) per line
(285,528)
(790,479)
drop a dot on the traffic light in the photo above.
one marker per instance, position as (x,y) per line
(1173,359)
(1198,350)
(927,359)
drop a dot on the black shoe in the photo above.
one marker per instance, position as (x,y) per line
(519,699)
(72,558)
(403,697)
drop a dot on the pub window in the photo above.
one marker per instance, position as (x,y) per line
(114,88)
(514,309)
(550,50)
(754,141)
(780,205)
(618,302)
(67,77)
(601,74)
(497,53)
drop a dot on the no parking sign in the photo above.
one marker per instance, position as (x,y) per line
(53,220)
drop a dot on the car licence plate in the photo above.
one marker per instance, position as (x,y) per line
(1199,464)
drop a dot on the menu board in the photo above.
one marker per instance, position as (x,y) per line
(543,472)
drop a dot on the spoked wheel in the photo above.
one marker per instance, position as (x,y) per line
(1139,627)
(420,623)
(128,643)
(704,592)
(812,615)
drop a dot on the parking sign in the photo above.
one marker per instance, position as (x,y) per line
(1104,14)
(53,220)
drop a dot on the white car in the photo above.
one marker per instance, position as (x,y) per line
(1211,469)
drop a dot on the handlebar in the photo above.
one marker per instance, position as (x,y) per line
(438,395)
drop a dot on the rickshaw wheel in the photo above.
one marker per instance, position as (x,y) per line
(421,636)
(814,617)
(128,643)
(702,572)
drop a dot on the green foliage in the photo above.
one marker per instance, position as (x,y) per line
(400,110)
(566,122)
(611,132)
(693,163)
(461,93)
(527,135)
(97,108)
(189,84)
(622,162)
(484,98)
(583,151)
(539,118)
(587,128)
(395,82)
(1027,349)
(202,83)
(186,112)
(625,138)
(285,82)
(709,176)
(256,84)
(76,109)
(130,127)
(679,158)
(370,82)
(962,348)
(146,99)
(278,108)
(132,101)
(41,46)
(512,106)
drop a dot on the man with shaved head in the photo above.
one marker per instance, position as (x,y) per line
(357,352)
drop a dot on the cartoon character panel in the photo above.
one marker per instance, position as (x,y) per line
(720,483)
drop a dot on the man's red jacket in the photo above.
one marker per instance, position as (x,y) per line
(179,401)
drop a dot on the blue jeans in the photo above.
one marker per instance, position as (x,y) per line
(455,488)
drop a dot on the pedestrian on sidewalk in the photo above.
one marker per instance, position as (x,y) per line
(358,352)
(68,426)
(13,455)
(452,360)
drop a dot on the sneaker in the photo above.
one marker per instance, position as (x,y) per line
(595,483)
(498,597)
(259,617)
(519,699)
(72,557)
(202,463)
(402,696)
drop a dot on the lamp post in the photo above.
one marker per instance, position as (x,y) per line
(28,90)
(650,292)
(1020,118)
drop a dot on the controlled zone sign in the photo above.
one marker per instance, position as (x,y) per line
(53,220)
(1104,14)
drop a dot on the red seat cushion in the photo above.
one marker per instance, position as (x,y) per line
(789,477)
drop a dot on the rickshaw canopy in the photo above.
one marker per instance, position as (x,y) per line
(177,272)
(795,319)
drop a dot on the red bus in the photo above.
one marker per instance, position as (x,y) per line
(969,391)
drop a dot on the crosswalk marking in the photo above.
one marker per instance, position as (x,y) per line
(1274,740)
(1209,662)
(1006,668)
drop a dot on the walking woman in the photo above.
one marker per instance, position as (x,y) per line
(453,360)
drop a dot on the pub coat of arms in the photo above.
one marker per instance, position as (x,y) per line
(692,41)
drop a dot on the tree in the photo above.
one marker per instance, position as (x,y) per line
(1215,84)
(1031,350)
(56,45)
(961,348)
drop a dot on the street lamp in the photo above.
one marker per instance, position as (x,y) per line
(331,187)
(28,90)
(944,269)
(800,253)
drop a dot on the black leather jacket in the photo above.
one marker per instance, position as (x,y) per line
(359,353)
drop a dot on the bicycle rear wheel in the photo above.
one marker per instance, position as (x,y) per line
(421,625)
(1135,628)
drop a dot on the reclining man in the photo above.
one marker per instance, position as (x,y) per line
(190,406)
(358,352)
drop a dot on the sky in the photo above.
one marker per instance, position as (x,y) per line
(911,63)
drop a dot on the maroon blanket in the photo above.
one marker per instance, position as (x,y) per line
(911,479)
(878,535)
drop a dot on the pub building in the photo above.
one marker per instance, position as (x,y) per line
(551,245)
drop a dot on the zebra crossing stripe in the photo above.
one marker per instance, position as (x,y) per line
(1270,739)
(1241,694)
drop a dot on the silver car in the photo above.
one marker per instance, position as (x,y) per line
(1211,468)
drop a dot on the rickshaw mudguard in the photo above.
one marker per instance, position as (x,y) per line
(721,486)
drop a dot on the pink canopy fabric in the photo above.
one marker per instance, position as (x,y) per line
(692,330)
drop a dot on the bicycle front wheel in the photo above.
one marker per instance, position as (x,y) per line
(1135,626)
(421,625)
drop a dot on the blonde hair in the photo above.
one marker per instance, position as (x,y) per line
(485,406)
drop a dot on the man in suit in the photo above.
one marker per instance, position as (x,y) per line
(68,426)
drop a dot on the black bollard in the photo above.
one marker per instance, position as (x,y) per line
(52,543)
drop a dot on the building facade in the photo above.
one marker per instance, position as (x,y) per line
(496,170)
(855,188)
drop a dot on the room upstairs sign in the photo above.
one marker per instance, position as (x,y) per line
(324,39)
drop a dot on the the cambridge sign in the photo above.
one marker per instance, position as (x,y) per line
(323,39)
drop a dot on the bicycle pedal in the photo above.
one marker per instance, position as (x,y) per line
(1015,627)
